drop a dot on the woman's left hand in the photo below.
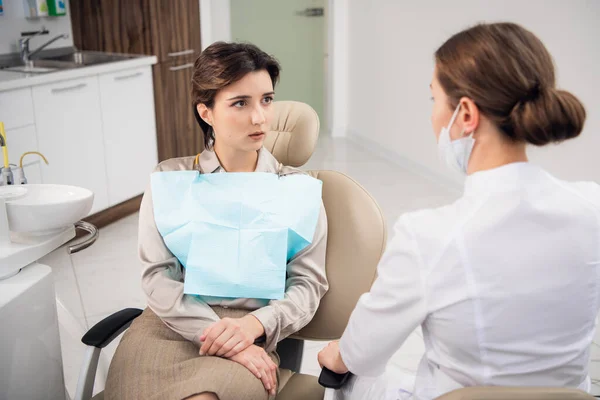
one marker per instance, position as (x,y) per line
(331,358)
(229,336)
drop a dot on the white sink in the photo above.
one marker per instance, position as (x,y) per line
(46,209)
(32,70)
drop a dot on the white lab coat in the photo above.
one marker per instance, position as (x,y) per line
(504,282)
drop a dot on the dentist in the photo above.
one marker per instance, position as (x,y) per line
(505,282)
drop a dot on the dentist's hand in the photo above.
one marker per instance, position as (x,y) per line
(229,336)
(260,364)
(331,358)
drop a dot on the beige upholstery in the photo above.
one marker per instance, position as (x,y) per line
(505,393)
(294,134)
(356,236)
(357,231)
(356,240)
(302,387)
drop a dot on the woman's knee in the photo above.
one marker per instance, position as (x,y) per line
(203,396)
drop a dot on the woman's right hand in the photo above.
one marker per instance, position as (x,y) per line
(260,364)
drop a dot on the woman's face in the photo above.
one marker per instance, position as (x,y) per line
(441,112)
(242,112)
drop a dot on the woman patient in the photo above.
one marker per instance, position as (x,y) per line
(193,347)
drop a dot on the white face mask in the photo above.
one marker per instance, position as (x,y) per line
(455,153)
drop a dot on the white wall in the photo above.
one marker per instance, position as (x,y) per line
(13,22)
(337,67)
(390,62)
(215,21)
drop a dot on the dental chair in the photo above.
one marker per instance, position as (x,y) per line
(356,240)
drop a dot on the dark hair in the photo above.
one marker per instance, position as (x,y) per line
(222,64)
(509,74)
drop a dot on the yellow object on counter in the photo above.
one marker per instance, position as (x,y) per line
(31,152)
(5,147)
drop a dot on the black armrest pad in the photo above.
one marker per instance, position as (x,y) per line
(330,379)
(110,327)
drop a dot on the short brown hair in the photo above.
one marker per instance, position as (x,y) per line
(222,64)
(509,74)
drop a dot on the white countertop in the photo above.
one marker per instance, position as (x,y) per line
(24,250)
(14,80)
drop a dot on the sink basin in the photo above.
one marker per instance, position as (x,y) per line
(89,58)
(44,209)
(30,70)
(76,59)
(38,66)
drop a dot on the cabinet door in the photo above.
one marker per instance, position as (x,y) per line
(176,29)
(69,131)
(16,108)
(127,102)
(114,26)
(166,125)
(178,133)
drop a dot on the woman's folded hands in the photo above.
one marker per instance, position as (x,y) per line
(233,338)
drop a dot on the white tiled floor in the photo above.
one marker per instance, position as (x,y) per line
(107,275)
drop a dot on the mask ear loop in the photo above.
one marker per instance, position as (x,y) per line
(454,115)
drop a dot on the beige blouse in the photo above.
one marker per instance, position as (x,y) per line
(163,275)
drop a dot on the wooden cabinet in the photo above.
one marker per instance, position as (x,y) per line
(113,26)
(167,29)
(178,132)
(127,105)
(68,121)
(176,30)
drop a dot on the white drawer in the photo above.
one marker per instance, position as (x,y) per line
(16,108)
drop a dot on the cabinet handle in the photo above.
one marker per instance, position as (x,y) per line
(181,53)
(180,67)
(69,88)
(86,226)
(120,78)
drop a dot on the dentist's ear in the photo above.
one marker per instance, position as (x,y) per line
(469,116)
(205,113)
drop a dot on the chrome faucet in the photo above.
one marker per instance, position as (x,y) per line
(8,174)
(24,43)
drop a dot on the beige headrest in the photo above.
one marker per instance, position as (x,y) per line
(294,133)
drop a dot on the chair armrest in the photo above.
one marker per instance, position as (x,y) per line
(290,353)
(98,337)
(105,331)
(331,380)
